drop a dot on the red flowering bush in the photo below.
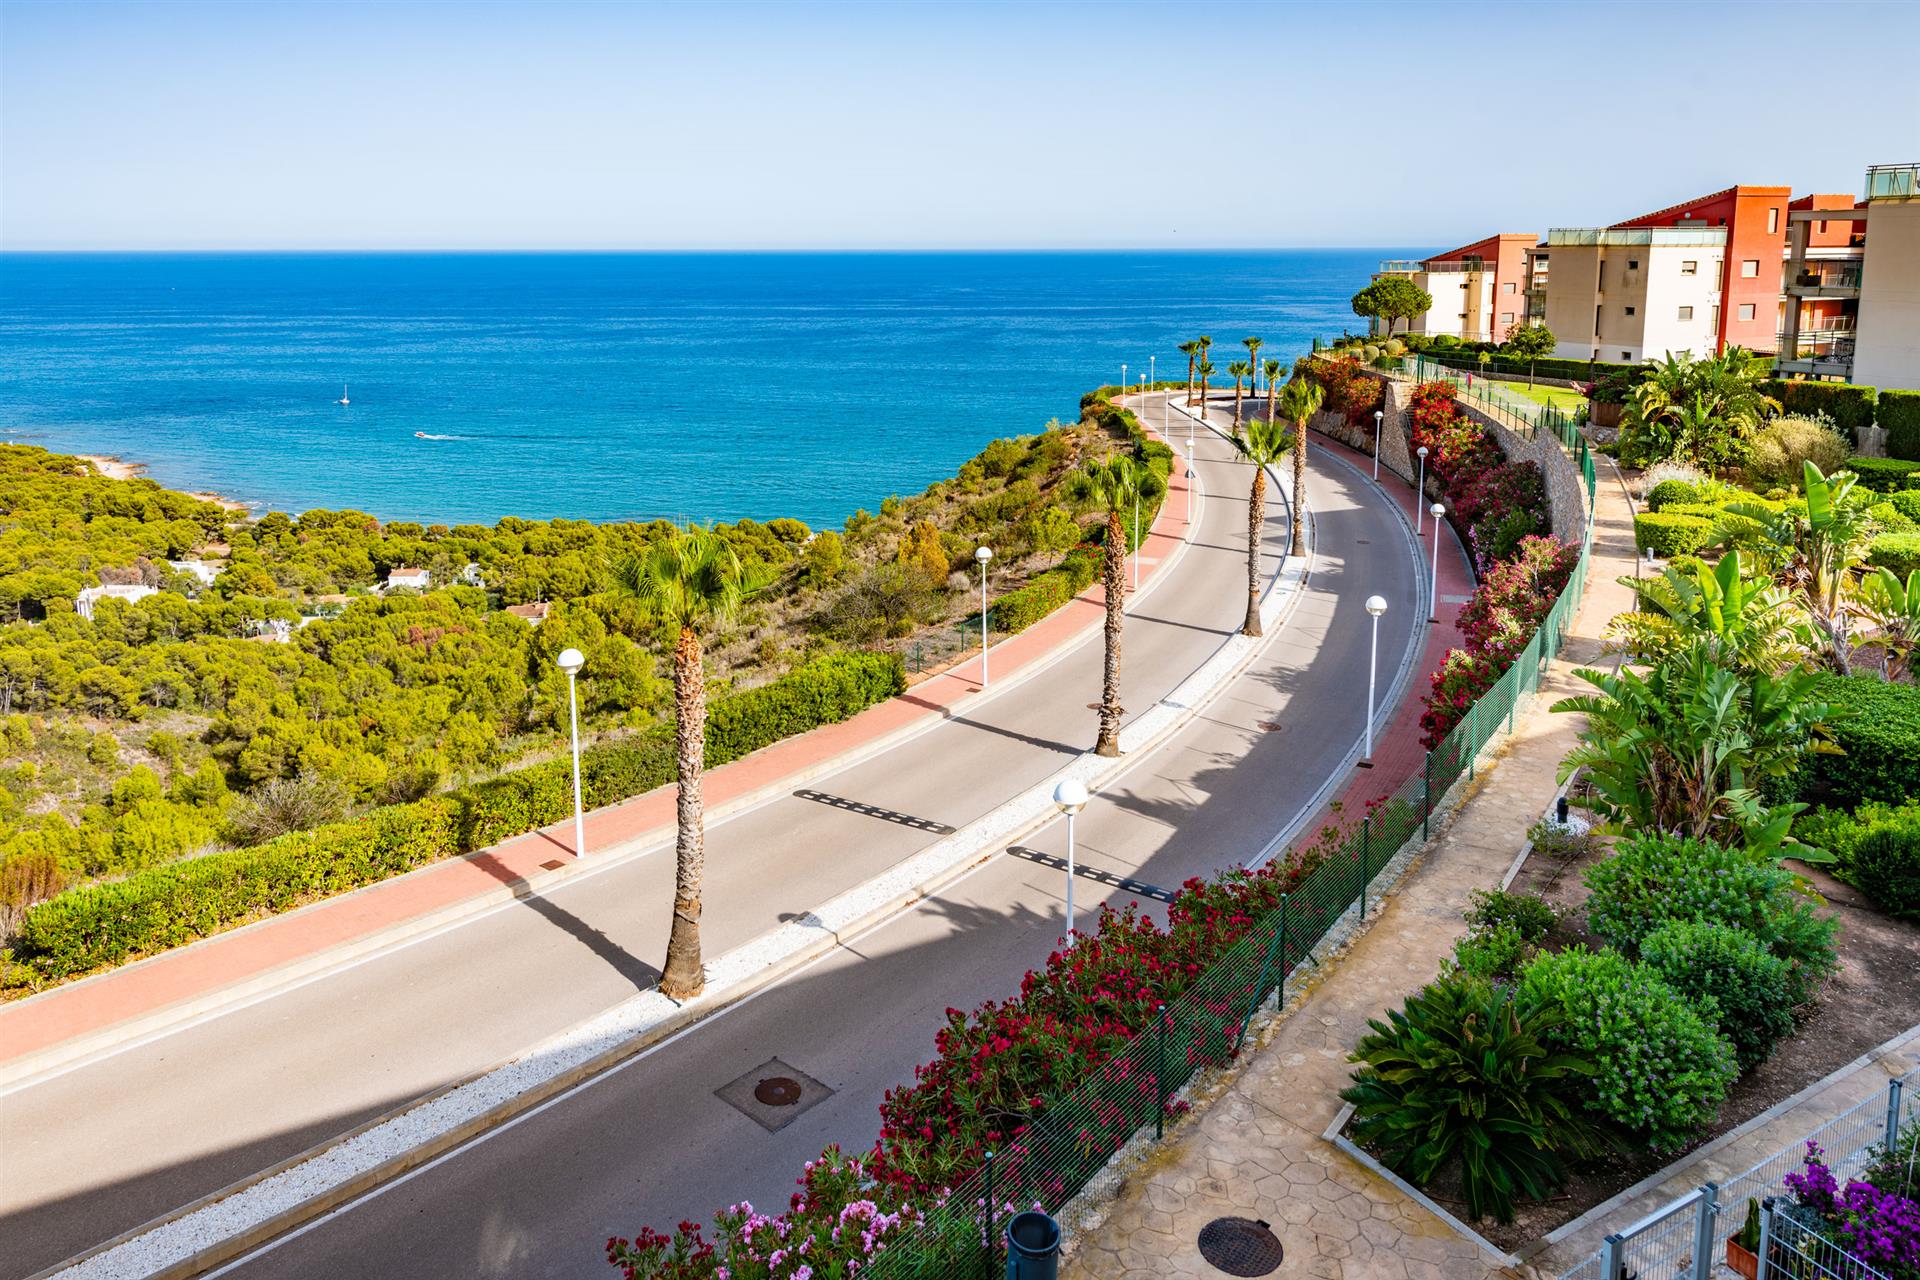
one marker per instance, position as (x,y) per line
(1499,507)
(1350,393)
(1497,622)
(1458,448)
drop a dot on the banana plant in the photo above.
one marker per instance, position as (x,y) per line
(1892,608)
(1819,549)
(1747,622)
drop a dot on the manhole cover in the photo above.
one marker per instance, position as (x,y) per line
(1240,1246)
(777,1091)
(552,865)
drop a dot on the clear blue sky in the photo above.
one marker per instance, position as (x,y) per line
(689,125)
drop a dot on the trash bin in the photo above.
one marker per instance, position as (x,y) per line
(1033,1247)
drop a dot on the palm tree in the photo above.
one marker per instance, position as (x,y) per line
(1116,485)
(1272,370)
(1264,442)
(1192,352)
(687,580)
(1205,343)
(1206,371)
(1253,346)
(1299,402)
(1239,369)
(1696,410)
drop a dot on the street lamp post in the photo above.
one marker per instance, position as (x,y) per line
(1433,613)
(1420,491)
(1379,416)
(980,557)
(1376,605)
(1070,797)
(570,661)
(1123,377)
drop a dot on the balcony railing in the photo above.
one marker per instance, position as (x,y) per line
(1408,266)
(1817,344)
(1826,275)
(1886,181)
(1630,236)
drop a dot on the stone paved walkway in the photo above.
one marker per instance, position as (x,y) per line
(1256,1150)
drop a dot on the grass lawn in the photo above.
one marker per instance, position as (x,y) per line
(1559,397)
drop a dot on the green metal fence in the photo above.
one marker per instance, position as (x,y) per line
(1049,1158)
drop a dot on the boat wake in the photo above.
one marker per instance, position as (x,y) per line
(428,435)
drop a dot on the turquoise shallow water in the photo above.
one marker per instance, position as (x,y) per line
(608,386)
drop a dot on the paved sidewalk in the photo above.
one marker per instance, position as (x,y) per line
(1257,1151)
(236,962)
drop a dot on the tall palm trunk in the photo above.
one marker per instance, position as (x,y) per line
(1116,586)
(1203,395)
(685,976)
(1236,402)
(1256,518)
(1191,359)
(1273,392)
(1300,489)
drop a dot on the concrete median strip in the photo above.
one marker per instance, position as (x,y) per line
(232,1221)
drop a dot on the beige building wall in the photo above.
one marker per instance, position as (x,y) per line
(1888,351)
(1622,302)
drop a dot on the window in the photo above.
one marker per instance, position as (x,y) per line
(1506,317)
(1822,225)
(1716,317)
(1746,311)
(1507,287)
(1691,267)
(1627,356)
(1629,310)
(1773,221)
(1750,267)
(1633,264)
(1686,313)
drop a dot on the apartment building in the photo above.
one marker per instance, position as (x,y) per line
(1626,294)
(1853,285)
(1479,289)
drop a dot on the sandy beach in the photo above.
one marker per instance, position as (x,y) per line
(120,469)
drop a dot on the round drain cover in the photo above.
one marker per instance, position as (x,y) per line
(777,1091)
(1240,1246)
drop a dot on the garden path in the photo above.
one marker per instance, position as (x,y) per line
(1257,1151)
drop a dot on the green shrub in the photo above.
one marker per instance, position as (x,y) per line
(1494,953)
(1885,475)
(1896,549)
(1393,347)
(1668,492)
(1726,969)
(1369,353)
(1443,342)
(1653,879)
(1022,607)
(1668,535)
(1890,517)
(1886,865)
(103,924)
(1907,503)
(1663,1069)
(1529,914)
(1463,1077)
(1849,406)
(1876,725)
(1778,453)
(1899,413)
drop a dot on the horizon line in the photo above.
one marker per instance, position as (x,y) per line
(801,249)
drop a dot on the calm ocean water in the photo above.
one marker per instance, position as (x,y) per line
(699,386)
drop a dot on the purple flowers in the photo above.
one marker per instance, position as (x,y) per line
(1878,1227)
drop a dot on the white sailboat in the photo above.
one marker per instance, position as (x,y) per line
(343,395)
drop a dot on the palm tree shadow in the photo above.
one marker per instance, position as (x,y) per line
(946,713)
(642,975)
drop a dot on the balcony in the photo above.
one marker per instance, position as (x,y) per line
(1408,267)
(1817,279)
(1819,353)
(1628,237)
(1893,181)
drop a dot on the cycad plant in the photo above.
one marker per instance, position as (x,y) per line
(1299,402)
(690,580)
(1114,485)
(1464,1075)
(1264,442)
(1238,370)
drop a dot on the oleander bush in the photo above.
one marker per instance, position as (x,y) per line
(101,924)
(1668,535)
(1508,605)
(1463,1079)
(1652,880)
(1719,967)
(1876,725)
(1663,1068)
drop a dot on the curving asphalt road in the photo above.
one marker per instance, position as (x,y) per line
(651,1142)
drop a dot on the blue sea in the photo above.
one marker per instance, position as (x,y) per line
(609,386)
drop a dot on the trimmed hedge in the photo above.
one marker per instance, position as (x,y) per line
(1668,535)
(1885,475)
(1907,503)
(104,924)
(1899,413)
(1898,550)
(1877,725)
(1545,367)
(1849,406)
(1669,492)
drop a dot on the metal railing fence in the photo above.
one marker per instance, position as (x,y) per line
(1792,1247)
(1049,1157)
(1686,1240)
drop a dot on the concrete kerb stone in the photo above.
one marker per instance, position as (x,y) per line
(26,1070)
(229,1222)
